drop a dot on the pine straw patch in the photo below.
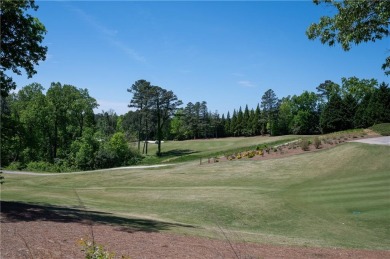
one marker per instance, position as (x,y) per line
(295,149)
(27,236)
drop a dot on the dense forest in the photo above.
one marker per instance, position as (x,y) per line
(57,130)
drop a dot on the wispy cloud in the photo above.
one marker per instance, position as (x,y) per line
(128,51)
(110,35)
(246,83)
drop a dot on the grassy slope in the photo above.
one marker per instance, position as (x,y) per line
(336,197)
(383,129)
(181,151)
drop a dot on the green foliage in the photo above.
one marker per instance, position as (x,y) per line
(71,111)
(327,89)
(317,142)
(358,88)
(355,22)
(332,117)
(15,166)
(383,129)
(116,152)
(41,166)
(119,146)
(285,115)
(177,126)
(374,108)
(305,145)
(52,132)
(59,132)
(95,251)
(83,150)
(155,106)
(305,113)
(21,38)
(270,105)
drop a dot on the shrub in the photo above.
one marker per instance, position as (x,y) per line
(251,154)
(383,129)
(317,142)
(305,145)
(40,166)
(280,149)
(15,166)
(260,152)
(94,251)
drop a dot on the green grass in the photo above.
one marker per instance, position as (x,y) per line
(343,133)
(189,150)
(338,197)
(383,129)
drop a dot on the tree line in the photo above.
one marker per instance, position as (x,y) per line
(58,130)
(357,103)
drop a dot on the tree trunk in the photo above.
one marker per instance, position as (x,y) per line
(139,133)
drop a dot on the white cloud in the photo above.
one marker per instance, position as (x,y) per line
(246,83)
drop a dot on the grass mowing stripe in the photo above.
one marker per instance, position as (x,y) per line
(348,191)
(274,199)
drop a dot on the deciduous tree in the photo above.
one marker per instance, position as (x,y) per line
(21,41)
(355,22)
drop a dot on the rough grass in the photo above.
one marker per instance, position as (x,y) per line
(383,129)
(337,197)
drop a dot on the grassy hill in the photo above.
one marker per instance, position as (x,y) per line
(336,197)
(188,150)
(383,129)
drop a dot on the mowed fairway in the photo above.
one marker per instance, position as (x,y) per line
(338,197)
(195,149)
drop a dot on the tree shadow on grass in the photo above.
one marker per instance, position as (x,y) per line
(12,211)
(178,152)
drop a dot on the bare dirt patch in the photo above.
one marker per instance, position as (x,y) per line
(30,231)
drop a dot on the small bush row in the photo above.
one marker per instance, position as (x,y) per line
(245,154)
(42,166)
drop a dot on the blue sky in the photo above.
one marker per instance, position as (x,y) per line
(225,53)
